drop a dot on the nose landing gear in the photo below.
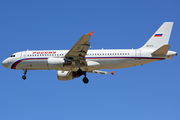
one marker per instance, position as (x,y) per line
(24,76)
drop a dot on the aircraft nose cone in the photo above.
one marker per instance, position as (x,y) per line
(5,63)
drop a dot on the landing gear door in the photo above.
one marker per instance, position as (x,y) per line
(138,54)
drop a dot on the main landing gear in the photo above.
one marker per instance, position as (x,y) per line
(85,79)
(80,72)
(24,76)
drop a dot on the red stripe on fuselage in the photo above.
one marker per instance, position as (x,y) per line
(17,62)
(123,58)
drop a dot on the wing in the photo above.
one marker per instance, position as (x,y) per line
(79,50)
(101,72)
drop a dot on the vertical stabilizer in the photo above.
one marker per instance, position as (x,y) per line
(160,37)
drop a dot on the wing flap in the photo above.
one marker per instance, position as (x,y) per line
(102,72)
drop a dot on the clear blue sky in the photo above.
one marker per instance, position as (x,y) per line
(149,92)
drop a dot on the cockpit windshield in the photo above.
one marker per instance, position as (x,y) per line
(12,55)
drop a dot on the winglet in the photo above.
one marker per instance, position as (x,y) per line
(91,33)
(113,72)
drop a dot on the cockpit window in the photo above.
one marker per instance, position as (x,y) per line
(12,55)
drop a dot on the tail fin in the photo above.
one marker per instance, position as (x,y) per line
(160,37)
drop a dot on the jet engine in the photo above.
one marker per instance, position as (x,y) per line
(66,75)
(55,63)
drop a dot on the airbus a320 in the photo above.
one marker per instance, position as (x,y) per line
(79,60)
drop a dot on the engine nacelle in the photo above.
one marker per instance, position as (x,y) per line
(55,63)
(66,75)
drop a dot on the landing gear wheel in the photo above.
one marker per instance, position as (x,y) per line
(23,77)
(85,80)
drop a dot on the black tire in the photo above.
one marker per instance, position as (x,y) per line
(85,80)
(23,77)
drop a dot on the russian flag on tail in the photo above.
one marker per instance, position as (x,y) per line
(158,35)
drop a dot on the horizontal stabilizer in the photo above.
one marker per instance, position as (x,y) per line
(162,50)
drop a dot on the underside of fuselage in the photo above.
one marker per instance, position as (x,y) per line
(41,64)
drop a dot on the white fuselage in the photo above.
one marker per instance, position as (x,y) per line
(107,58)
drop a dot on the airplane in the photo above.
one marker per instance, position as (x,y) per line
(79,60)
